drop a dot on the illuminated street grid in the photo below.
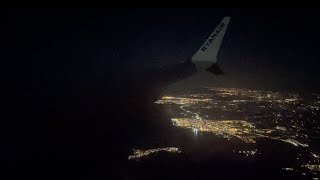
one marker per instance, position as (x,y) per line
(242,130)
(283,114)
(250,115)
(139,153)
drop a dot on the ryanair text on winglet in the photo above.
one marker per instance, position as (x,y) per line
(212,36)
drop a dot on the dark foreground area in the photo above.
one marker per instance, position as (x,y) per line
(67,141)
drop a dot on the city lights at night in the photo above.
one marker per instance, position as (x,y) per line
(249,116)
(139,153)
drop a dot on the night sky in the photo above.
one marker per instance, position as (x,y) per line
(62,65)
(275,47)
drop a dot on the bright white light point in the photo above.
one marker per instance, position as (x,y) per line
(198,117)
(195,131)
(314,155)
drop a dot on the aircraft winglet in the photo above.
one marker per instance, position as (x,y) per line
(206,57)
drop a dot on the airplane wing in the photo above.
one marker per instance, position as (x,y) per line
(206,57)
